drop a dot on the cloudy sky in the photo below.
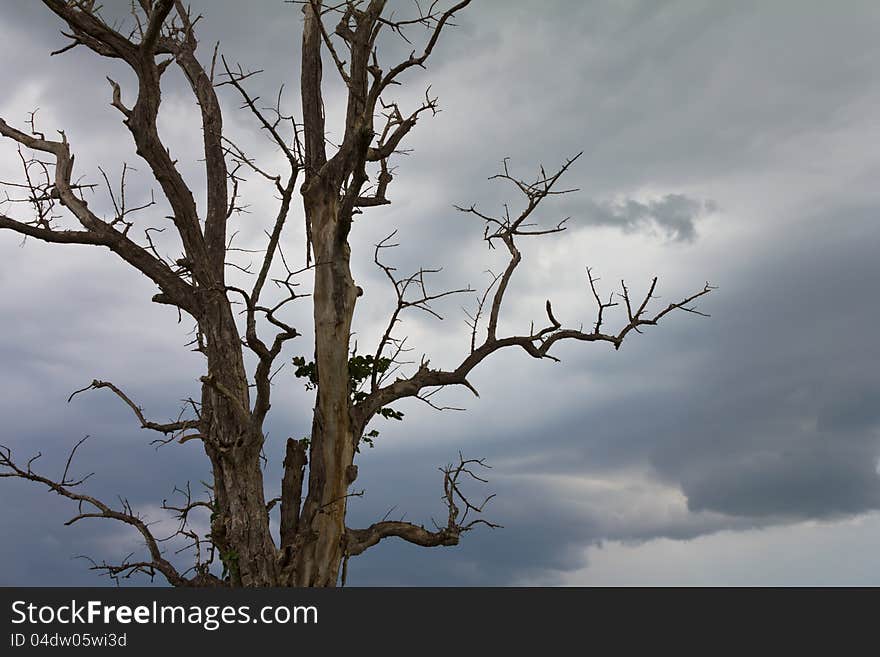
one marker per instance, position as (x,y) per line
(735,143)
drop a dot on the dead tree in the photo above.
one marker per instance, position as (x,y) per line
(335,184)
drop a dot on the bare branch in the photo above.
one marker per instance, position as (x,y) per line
(167,428)
(397,127)
(421,300)
(419,60)
(97,232)
(459,506)
(63,488)
(537,343)
(235,79)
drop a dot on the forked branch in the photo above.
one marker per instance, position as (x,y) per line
(91,507)
(177,427)
(421,299)
(95,231)
(538,342)
(460,510)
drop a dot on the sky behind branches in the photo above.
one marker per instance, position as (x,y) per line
(736,143)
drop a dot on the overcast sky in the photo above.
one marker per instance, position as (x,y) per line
(735,143)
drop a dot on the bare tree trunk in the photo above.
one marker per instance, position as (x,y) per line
(322,522)
(240,523)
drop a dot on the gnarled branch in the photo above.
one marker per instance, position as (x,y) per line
(97,232)
(458,505)
(538,342)
(64,487)
(178,426)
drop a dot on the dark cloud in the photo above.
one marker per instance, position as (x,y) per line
(673,215)
(824,479)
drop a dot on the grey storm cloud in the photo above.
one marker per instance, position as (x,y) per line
(674,215)
(721,142)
